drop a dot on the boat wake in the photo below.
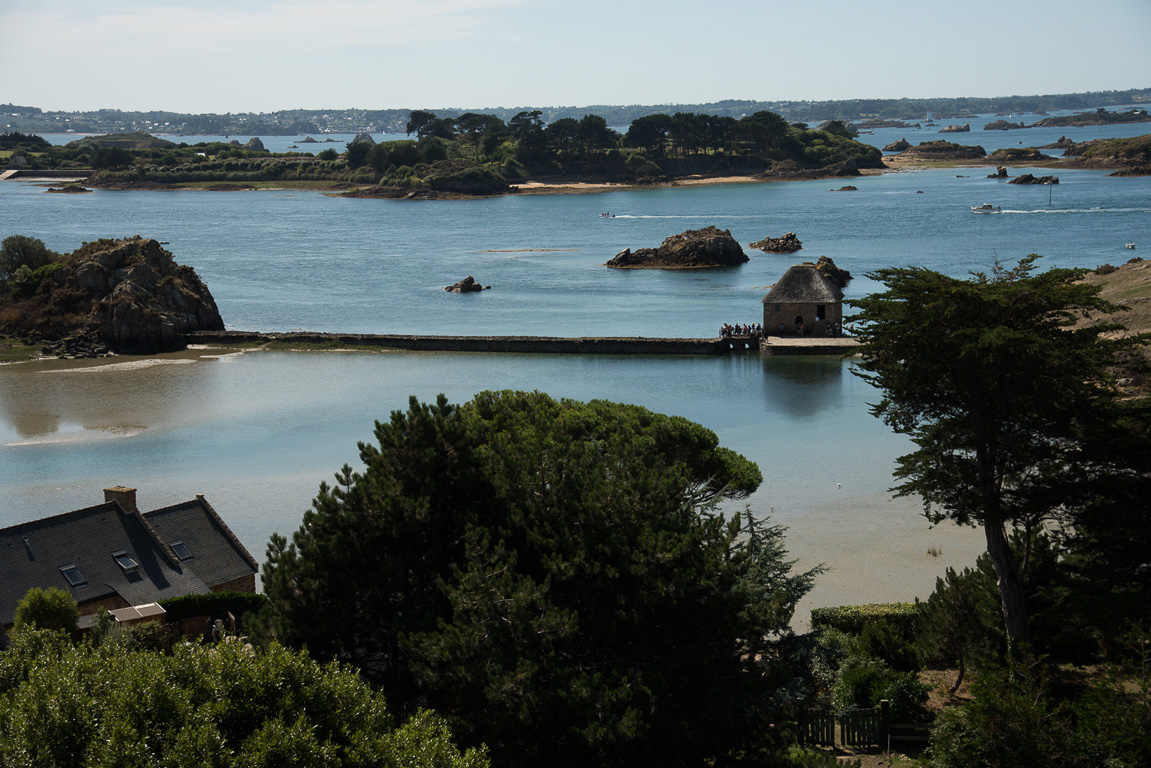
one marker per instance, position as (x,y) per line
(705,217)
(1081,210)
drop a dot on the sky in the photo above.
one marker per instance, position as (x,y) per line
(201,56)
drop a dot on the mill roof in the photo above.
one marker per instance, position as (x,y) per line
(803,284)
(105,550)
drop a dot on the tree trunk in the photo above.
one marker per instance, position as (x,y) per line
(962,670)
(1011,595)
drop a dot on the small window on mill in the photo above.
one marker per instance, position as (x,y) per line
(125,561)
(73,575)
(181,550)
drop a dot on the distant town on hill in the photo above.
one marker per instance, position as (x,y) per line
(302,121)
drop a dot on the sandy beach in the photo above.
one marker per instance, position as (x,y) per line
(876,550)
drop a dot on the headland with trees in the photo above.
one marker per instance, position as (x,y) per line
(475,154)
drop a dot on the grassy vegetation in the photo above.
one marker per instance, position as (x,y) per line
(17,350)
(1135,150)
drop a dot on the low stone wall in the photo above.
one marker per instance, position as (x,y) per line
(809,345)
(535,344)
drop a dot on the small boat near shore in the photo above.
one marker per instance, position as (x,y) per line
(986,208)
(1131,246)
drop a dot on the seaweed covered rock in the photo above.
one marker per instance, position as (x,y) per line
(693,249)
(1028,178)
(787,243)
(467,285)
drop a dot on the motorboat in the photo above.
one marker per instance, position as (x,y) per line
(607,215)
(1131,246)
(986,208)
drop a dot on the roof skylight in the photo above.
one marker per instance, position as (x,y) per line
(73,575)
(125,561)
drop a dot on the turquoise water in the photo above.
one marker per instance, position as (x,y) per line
(257,432)
(289,260)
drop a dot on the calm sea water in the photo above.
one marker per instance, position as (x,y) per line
(257,432)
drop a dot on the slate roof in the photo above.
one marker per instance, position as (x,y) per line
(33,554)
(217,555)
(803,284)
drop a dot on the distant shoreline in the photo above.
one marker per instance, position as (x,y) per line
(892,164)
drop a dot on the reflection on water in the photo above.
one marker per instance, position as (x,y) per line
(257,432)
(91,399)
(804,386)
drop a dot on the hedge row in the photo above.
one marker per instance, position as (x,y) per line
(212,604)
(851,619)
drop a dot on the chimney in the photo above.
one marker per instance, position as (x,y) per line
(125,497)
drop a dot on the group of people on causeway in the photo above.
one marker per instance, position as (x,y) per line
(728,330)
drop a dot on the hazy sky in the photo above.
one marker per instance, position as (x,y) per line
(266,55)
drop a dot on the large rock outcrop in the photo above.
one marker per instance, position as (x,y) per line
(1027,178)
(121,295)
(944,150)
(1016,155)
(826,267)
(964,128)
(694,249)
(898,146)
(1003,125)
(787,243)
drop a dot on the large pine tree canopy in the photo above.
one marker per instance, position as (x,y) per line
(555,577)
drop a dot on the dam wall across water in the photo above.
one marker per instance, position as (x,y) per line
(540,344)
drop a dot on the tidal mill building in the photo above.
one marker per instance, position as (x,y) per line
(803,303)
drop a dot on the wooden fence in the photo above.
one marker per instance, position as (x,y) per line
(858,728)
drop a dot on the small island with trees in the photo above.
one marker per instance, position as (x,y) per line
(473,154)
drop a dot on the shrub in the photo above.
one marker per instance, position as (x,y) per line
(891,641)
(50,608)
(218,706)
(27,281)
(22,251)
(433,149)
(867,682)
(830,650)
(1009,722)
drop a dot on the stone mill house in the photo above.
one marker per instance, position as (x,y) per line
(803,303)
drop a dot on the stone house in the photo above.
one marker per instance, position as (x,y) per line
(115,556)
(803,303)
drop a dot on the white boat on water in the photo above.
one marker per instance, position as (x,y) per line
(1131,246)
(986,208)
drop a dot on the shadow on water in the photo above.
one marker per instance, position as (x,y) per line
(804,387)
